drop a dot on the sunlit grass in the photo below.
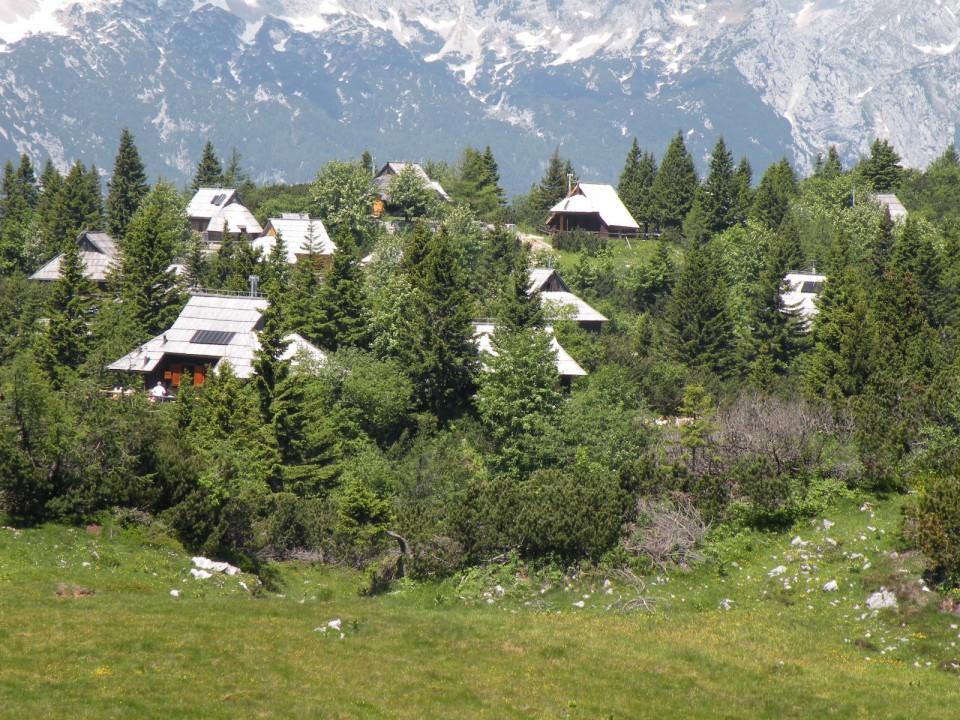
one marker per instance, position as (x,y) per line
(454,649)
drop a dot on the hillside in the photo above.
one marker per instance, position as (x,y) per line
(91,625)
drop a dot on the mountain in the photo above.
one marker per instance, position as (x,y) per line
(293,83)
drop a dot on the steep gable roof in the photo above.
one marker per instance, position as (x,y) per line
(562,300)
(383,178)
(566,365)
(218,206)
(802,292)
(294,228)
(97,253)
(893,204)
(588,198)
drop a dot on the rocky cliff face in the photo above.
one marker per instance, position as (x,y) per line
(292,83)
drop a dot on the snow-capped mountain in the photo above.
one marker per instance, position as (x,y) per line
(293,83)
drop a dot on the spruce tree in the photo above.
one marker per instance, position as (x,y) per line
(300,300)
(234,176)
(555,183)
(156,235)
(11,213)
(778,187)
(717,195)
(492,180)
(831,167)
(742,191)
(882,170)
(675,185)
(436,341)
(340,300)
(776,330)
(636,181)
(65,343)
(127,187)
(209,170)
(51,184)
(698,325)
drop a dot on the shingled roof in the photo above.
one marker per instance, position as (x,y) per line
(97,253)
(599,199)
(213,328)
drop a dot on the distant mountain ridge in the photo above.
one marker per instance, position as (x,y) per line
(293,83)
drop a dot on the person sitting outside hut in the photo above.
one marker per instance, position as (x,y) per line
(159,393)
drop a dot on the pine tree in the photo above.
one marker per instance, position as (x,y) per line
(300,300)
(698,324)
(340,300)
(742,192)
(65,343)
(882,170)
(492,180)
(518,396)
(675,185)
(776,330)
(831,167)
(436,342)
(717,195)
(51,183)
(555,183)
(778,187)
(636,181)
(156,235)
(127,187)
(209,170)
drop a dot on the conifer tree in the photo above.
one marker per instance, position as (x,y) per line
(156,235)
(882,170)
(11,213)
(742,191)
(675,185)
(436,341)
(127,187)
(831,167)
(234,176)
(778,187)
(636,181)
(776,330)
(51,184)
(492,179)
(555,183)
(300,300)
(717,195)
(310,447)
(269,368)
(340,301)
(65,343)
(209,170)
(19,197)
(367,161)
(698,324)
(880,249)
(518,397)
(843,339)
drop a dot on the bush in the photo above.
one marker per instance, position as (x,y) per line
(572,515)
(932,524)
(577,240)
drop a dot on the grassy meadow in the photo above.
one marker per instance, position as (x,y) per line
(89,629)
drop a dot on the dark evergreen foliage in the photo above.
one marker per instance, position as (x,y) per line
(127,187)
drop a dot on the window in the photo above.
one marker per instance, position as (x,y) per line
(811,287)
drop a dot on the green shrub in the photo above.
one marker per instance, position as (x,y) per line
(932,524)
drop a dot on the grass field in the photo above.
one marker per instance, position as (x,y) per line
(89,628)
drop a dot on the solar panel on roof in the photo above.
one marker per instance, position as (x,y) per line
(811,287)
(212,337)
